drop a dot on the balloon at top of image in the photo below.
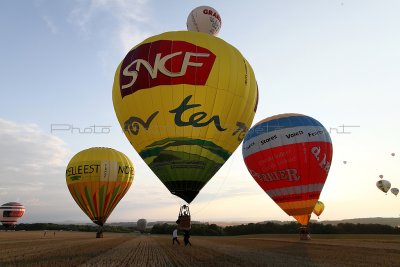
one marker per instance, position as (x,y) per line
(289,156)
(185,101)
(393,154)
(10,213)
(97,179)
(204,19)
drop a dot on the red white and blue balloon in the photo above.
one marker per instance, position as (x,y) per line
(289,156)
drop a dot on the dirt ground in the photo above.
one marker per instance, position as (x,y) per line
(82,249)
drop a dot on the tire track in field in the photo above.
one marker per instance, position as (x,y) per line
(139,251)
(200,254)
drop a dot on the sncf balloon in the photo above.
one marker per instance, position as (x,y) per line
(319,208)
(289,156)
(394,191)
(383,185)
(185,101)
(10,213)
(97,179)
(204,19)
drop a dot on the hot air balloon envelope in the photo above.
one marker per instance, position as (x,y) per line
(394,191)
(97,179)
(319,208)
(204,19)
(141,225)
(185,101)
(289,156)
(10,213)
(383,185)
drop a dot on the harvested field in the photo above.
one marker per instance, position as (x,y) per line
(82,249)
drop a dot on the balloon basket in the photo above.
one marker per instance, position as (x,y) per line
(184,219)
(184,222)
(304,234)
(99,233)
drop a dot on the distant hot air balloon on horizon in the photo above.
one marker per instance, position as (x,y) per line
(97,179)
(394,191)
(289,156)
(381,176)
(204,19)
(393,154)
(10,213)
(383,185)
(141,225)
(319,208)
(185,101)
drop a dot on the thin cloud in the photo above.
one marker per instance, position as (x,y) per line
(33,165)
(50,24)
(128,19)
(27,147)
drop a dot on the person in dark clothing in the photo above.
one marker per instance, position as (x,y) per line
(186,237)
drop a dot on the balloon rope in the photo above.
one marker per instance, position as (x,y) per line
(219,189)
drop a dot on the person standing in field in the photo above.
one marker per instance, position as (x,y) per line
(175,237)
(186,237)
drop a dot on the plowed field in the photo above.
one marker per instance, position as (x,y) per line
(82,249)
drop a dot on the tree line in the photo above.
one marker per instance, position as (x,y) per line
(69,227)
(215,230)
(276,228)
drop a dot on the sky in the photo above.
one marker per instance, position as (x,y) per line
(336,61)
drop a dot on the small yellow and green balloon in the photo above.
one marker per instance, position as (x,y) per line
(97,179)
(185,100)
(319,208)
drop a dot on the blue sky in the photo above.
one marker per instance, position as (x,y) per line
(337,61)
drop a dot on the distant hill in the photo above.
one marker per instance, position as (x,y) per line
(394,222)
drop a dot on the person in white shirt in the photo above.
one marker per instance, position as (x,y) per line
(175,237)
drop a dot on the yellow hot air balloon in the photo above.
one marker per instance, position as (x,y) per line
(97,179)
(185,101)
(319,208)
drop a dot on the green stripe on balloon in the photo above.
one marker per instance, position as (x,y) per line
(89,200)
(114,194)
(78,198)
(102,198)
